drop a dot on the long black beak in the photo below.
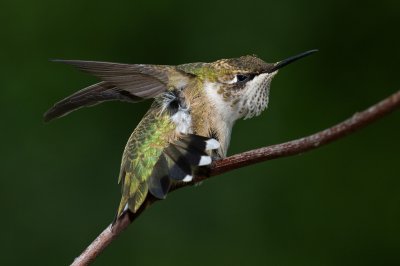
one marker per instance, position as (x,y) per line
(290,60)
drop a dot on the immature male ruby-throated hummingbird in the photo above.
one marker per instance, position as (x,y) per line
(190,121)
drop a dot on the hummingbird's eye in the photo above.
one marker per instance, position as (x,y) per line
(242,78)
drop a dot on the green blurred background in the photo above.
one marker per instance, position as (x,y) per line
(338,205)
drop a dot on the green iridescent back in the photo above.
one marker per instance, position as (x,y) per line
(141,153)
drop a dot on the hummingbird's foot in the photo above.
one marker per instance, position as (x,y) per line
(215,156)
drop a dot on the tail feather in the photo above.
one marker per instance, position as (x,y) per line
(187,154)
(178,167)
(159,182)
(177,162)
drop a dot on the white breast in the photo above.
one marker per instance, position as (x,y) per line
(181,118)
(223,109)
(224,114)
(183,121)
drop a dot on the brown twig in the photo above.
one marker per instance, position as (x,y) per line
(293,147)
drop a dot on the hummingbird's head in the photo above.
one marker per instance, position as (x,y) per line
(239,87)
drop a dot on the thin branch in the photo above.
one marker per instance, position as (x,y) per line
(293,147)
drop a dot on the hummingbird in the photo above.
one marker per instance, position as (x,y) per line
(189,123)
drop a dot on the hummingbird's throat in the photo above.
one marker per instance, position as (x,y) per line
(234,102)
(256,96)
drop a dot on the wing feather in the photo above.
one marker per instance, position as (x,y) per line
(124,82)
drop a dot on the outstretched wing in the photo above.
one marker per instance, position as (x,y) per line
(124,82)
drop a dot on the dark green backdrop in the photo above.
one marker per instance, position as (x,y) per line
(338,205)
